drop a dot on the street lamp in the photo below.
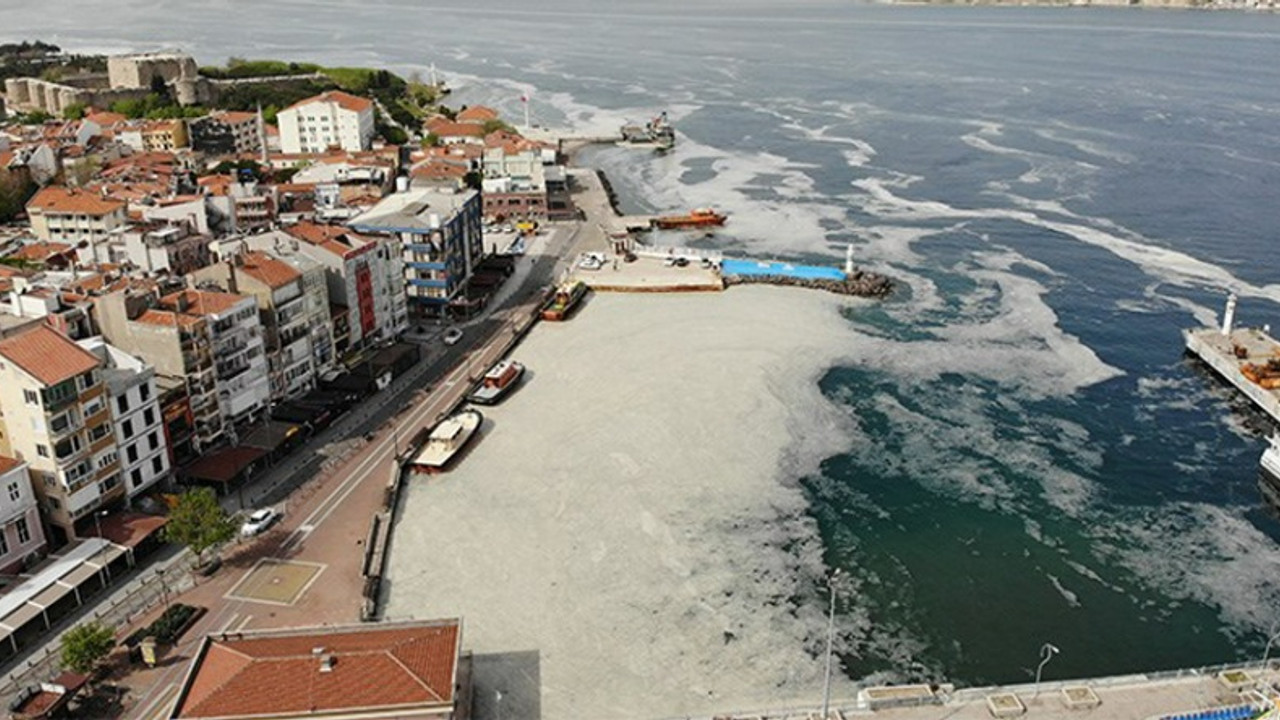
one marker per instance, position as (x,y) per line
(164,588)
(497,694)
(831,633)
(1272,636)
(1047,652)
(97,522)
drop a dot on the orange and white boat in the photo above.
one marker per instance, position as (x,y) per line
(702,217)
(500,380)
(446,440)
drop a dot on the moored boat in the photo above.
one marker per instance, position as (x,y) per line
(565,299)
(1269,472)
(702,217)
(500,380)
(446,440)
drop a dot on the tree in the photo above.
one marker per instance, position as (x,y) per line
(84,646)
(74,111)
(199,522)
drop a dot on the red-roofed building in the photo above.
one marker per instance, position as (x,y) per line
(57,419)
(401,670)
(450,132)
(365,277)
(331,119)
(60,214)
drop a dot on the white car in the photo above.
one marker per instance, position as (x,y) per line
(258,521)
(452,336)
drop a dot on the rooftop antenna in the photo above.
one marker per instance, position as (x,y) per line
(1229,316)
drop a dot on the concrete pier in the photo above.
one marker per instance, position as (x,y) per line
(1229,353)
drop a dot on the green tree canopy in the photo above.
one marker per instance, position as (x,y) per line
(199,522)
(85,645)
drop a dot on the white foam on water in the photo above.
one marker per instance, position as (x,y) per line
(1072,599)
(1195,551)
(632,511)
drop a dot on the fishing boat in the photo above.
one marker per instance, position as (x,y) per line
(446,440)
(1269,472)
(702,217)
(500,380)
(563,302)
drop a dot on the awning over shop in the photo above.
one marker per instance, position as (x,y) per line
(130,529)
(270,435)
(225,465)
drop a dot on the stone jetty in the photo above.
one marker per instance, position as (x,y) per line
(859,283)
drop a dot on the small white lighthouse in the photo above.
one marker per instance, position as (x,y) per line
(848,259)
(1229,316)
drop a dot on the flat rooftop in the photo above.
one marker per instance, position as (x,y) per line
(418,210)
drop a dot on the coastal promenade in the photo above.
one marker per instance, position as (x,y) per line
(1179,693)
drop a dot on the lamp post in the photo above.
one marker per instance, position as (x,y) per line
(1047,651)
(497,694)
(831,634)
(164,588)
(1272,636)
(97,522)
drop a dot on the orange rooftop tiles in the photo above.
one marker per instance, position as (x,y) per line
(268,270)
(47,355)
(346,101)
(354,670)
(57,199)
(200,302)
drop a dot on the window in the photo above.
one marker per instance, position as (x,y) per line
(15,492)
(42,450)
(153,440)
(97,432)
(31,396)
(4,543)
(132,453)
(105,486)
(24,532)
(144,391)
(126,428)
(122,402)
(135,477)
(157,465)
(149,416)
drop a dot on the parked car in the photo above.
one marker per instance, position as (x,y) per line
(669,260)
(452,336)
(258,521)
(707,263)
(682,262)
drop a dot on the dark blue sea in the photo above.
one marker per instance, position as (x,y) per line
(1059,192)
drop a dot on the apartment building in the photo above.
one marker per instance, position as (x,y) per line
(440,241)
(57,419)
(226,133)
(21,533)
(136,415)
(331,119)
(67,215)
(364,275)
(209,342)
(285,310)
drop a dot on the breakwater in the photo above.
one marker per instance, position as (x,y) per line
(858,283)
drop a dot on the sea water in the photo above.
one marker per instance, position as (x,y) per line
(1058,192)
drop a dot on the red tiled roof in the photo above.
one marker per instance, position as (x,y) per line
(57,199)
(106,118)
(236,117)
(346,101)
(444,128)
(201,302)
(48,355)
(330,237)
(41,250)
(477,114)
(267,270)
(165,317)
(401,665)
(7,463)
